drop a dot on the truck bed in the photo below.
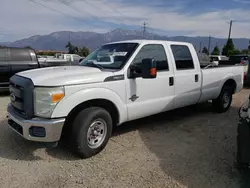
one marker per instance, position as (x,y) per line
(213,79)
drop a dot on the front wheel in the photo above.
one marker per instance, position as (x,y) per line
(224,101)
(91,131)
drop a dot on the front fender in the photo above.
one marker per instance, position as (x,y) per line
(64,107)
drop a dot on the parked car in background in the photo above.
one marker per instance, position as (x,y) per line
(14,60)
(217,58)
(74,58)
(235,60)
(84,103)
(247,72)
(205,60)
(241,59)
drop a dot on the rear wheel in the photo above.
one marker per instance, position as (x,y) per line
(91,131)
(224,101)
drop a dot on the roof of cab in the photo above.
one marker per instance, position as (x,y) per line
(149,41)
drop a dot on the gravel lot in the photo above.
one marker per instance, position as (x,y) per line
(191,147)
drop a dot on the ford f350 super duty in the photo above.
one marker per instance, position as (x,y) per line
(85,102)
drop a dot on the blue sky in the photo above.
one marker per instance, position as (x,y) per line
(165,17)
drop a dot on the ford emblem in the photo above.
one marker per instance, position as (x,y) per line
(12,97)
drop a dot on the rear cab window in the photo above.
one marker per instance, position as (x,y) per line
(183,57)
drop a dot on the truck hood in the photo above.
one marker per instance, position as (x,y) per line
(65,75)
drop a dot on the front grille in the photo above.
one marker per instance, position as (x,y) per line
(16,126)
(16,98)
(21,96)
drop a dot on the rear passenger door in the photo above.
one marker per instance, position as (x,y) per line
(187,79)
(21,60)
(4,68)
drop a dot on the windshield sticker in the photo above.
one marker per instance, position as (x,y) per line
(119,53)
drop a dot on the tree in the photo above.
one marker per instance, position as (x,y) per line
(229,47)
(233,52)
(216,51)
(71,48)
(205,50)
(84,51)
(28,47)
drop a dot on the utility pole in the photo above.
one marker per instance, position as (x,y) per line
(200,47)
(69,37)
(144,28)
(209,41)
(230,29)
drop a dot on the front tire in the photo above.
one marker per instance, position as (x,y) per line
(91,131)
(224,101)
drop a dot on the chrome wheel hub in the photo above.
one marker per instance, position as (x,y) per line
(96,133)
(226,100)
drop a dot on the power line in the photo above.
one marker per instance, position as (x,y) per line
(59,12)
(80,10)
(99,9)
(112,8)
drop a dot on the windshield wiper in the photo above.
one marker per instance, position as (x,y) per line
(95,65)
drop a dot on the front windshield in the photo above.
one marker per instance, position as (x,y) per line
(110,56)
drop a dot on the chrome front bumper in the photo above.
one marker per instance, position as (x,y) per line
(36,129)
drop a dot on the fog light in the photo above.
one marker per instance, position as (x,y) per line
(37,131)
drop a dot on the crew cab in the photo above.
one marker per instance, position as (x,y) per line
(84,103)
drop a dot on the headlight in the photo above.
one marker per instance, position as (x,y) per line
(46,99)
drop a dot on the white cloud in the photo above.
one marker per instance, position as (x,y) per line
(242,1)
(24,18)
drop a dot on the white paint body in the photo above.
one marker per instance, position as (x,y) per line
(155,95)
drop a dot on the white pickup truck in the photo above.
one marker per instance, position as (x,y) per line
(85,102)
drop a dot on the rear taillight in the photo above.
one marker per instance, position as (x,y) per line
(242,62)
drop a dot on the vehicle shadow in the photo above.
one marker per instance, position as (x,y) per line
(244,179)
(194,145)
(4,93)
(14,147)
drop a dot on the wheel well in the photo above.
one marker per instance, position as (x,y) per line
(230,83)
(103,103)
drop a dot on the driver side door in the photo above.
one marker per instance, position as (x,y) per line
(150,96)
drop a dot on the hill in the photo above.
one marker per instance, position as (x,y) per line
(58,40)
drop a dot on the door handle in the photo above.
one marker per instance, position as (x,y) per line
(171,81)
(196,77)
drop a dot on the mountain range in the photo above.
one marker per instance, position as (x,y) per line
(58,40)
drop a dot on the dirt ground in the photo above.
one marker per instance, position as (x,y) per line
(187,148)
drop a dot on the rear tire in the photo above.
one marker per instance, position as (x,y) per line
(224,101)
(91,131)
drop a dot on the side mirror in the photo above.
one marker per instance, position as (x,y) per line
(148,68)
